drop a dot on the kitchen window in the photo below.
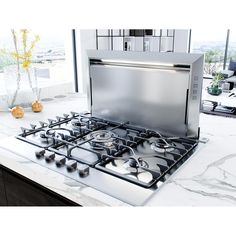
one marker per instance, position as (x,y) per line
(213,45)
(52,58)
(231,47)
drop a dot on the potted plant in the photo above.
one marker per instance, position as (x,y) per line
(215,85)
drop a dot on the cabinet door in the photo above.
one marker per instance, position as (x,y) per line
(24,192)
(3,200)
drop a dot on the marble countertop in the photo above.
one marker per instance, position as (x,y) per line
(79,193)
(207,178)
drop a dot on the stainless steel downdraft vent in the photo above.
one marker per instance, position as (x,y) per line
(160,91)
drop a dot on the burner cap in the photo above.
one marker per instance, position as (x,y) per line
(162,145)
(81,122)
(101,137)
(44,135)
(132,166)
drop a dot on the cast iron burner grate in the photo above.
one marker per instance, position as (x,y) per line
(134,154)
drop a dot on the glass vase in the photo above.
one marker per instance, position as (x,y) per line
(21,86)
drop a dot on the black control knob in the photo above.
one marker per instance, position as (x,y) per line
(83,170)
(39,153)
(49,156)
(60,161)
(71,165)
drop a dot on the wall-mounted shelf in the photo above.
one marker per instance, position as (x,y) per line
(160,40)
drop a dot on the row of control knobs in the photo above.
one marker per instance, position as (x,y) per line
(71,165)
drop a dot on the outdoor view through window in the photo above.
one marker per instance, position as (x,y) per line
(48,55)
(212,44)
(232,46)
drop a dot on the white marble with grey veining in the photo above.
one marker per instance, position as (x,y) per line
(64,186)
(208,178)
(58,183)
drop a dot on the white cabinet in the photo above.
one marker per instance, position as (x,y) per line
(129,43)
(161,40)
(156,44)
(158,40)
(103,32)
(138,44)
(181,42)
(118,43)
(104,43)
(167,44)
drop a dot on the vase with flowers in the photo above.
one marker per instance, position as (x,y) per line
(21,77)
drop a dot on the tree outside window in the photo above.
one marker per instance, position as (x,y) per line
(212,45)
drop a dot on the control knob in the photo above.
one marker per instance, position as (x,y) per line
(49,156)
(39,153)
(60,161)
(71,165)
(83,170)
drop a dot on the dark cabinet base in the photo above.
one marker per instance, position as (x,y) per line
(20,191)
(3,199)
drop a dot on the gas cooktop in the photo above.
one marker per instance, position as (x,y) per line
(122,160)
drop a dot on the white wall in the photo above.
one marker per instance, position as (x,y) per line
(86,39)
(181,40)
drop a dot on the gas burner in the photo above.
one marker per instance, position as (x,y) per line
(82,122)
(44,135)
(101,138)
(162,145)
(132,165)
(51,134)
(141,157)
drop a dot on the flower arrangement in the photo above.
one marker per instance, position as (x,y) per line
(20,72)
(26,55)
(23,58)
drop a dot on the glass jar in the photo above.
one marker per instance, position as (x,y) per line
(20,85)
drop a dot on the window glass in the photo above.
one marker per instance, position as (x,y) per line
(231,47)
(212,44)
(51,56)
